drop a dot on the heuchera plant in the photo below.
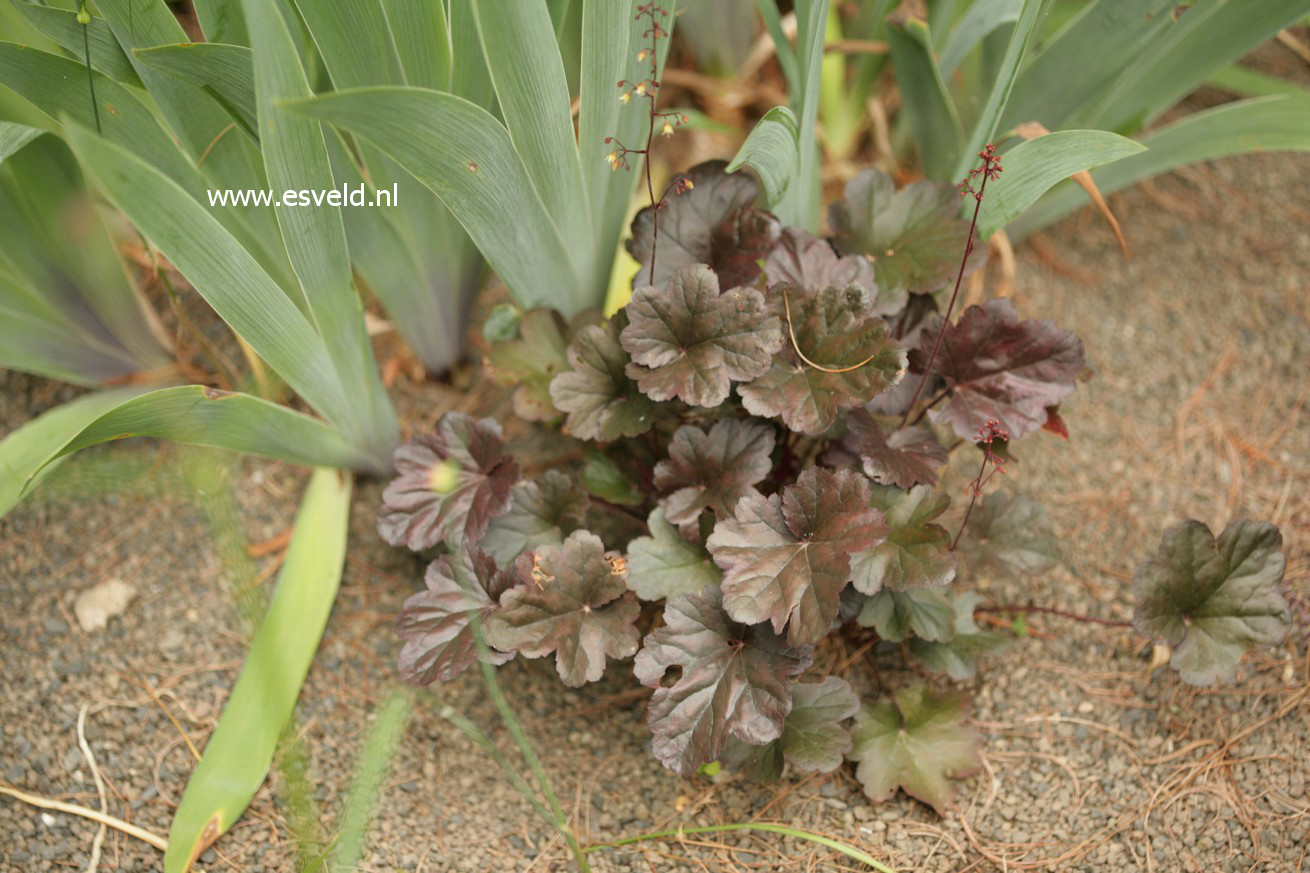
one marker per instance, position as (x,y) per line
(763,429)
(766,429)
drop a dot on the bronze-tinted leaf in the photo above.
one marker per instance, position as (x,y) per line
(713,470)
(814,737)
(449,484)
(917,742)
(836,329)
(690,340)
(910,456)
(958,656)
(927,613)
(810,263)
(530,361)
(601,401)
(1212,600)
(999,366)
(572,601)
(734,680)
(787,557)
(666,563)
(436,624)
(542,513)
(914,235)
(715,223)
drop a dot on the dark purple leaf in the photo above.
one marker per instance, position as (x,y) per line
(1212,600)
(909,457)
(436,624)
(814,738)
(917,742)
(906,326)
(571,600)
(787,557)
(715,223)
(713,470)
(734,680)
(915,236)
(449,485)
(836,329)
(601,401)
(810,263)
(1001,367)
(689,340)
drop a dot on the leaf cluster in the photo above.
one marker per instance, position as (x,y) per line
(755,494)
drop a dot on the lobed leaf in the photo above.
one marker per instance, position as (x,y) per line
(437,624)
(541,513)
(1001,367)
(602,403)
(917,552)
(917,742)
(1213,599)
(910,456)
(690,228)
(914,235)
(712,471)
(690,340)
(958,656)
(811,263)
(449,485)
(814,738)
(837,329)
(1008,534)
(928,614)
(530,361)
(572,601)
(734,681)
(666,563)
(787,557)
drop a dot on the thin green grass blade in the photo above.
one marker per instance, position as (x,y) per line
(27,455)
(224,273)
(60,26)
(528,73)
(371,768)
(464,155)
(1037,165)
(766,827)
(224,72)
(772,152)
(927,104)
(237,757)
(782,46)
(1262,124)
(353,38)
(988,122)
(200,416)
(295,157)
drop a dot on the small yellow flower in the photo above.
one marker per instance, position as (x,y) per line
(690,184)
(667,130)
(612,157)
(641,89)
(641,55)
(625,97)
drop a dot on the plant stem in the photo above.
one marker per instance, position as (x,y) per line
(650,137)
(90,77)
(836,845)
(974,488)
(1059,613)
(955,293)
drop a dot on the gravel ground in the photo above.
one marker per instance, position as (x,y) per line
(1199,345)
